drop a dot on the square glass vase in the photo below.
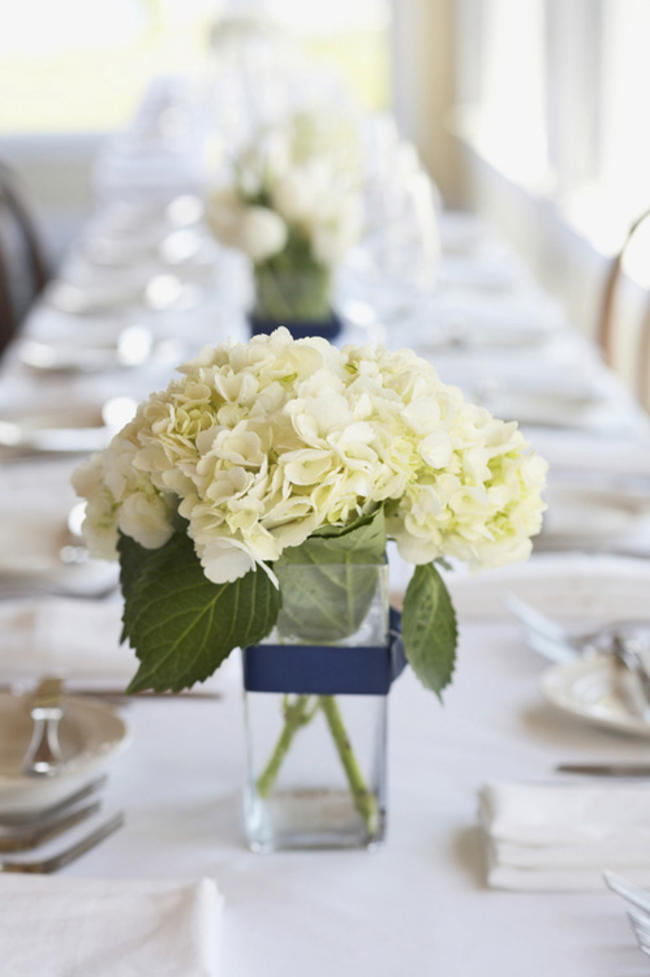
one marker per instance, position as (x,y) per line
(316,759)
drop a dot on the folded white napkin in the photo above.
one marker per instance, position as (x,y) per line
(62,927)
(77,639)
(546,837)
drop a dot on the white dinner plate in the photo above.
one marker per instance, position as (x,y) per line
(38,551)
(575,510)
(536,408)
(82,428)
(596,690)
(92,735)
(133,347)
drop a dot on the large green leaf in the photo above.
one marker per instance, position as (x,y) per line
(429,629)
(180,624)
(328,582)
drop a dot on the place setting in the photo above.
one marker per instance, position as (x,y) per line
(587,812)
(55,751)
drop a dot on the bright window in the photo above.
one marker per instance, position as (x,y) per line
(558,97)
(77,65)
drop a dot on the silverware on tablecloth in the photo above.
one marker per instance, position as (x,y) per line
(631,893)
(44,756)
(621,639)
(118,694)
(600,640)
(23,839)
(638,901)
(39,817)
(606,769)
(53,863)
(16,589)
(121,696)
(641,928)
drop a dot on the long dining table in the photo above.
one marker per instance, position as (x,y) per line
(420,903)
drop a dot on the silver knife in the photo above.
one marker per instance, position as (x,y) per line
(606,769)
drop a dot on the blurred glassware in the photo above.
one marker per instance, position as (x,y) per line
(397,259)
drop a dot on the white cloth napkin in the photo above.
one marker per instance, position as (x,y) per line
(554,837)
(62,927)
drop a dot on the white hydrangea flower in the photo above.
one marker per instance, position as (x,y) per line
(259,444)
(262,233)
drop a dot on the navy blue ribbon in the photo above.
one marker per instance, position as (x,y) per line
(329,329)
(326,669)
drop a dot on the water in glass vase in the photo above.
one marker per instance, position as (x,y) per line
(309,802)
(316,760)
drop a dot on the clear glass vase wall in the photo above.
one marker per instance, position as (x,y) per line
(317,763)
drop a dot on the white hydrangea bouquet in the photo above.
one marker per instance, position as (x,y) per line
(264,447)
(275,453)
(293,206)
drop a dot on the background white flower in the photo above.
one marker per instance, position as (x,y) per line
(261,234)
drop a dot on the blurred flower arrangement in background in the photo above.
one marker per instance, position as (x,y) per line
(293,205)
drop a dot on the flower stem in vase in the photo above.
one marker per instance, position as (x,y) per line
(296,714)
(364,801)
(329,587)
(289,289)
(299,713)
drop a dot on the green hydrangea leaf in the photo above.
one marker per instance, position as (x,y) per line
(429,628)
(181,625)
(329,581)
(363,541)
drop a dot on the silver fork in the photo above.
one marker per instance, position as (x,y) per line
(638,913)
(549,631)
(633,894)
(641,927)
(53,863)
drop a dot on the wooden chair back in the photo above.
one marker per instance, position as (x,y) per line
(22,256)
(609,324)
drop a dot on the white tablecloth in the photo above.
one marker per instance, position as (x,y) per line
(419,905)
